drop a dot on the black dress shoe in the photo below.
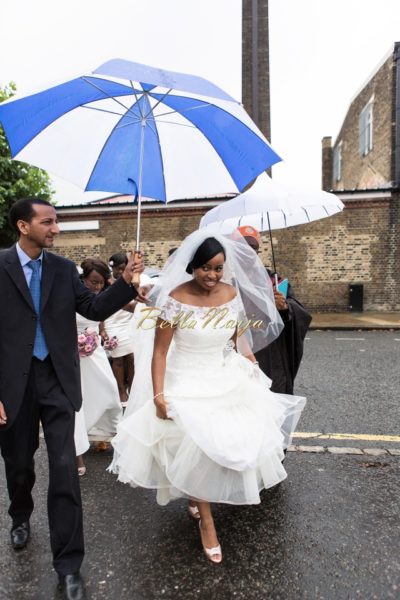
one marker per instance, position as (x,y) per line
(20,535)
(72,587)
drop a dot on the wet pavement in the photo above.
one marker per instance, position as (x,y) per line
(356,320)
(331,531)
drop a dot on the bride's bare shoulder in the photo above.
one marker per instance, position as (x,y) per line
(229,291)
(180,293)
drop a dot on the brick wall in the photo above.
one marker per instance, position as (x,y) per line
(321,259)
(375,169)
(327,163)
(258,104)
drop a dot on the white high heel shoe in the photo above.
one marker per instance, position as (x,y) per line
(194,512)
(213,554)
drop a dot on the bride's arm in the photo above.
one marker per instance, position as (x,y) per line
(243,347)
(162,341)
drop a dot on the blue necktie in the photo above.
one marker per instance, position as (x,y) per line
(40,349)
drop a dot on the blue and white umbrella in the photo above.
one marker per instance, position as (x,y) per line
(132,129)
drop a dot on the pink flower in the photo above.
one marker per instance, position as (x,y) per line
(111,343)
(87,342)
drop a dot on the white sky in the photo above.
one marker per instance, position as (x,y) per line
(321,52)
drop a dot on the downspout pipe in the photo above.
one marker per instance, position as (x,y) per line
(397,118)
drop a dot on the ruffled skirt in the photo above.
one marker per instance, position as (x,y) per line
(224,445)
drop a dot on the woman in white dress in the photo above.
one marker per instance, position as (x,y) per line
(210,430)
(120,325)
(101,410)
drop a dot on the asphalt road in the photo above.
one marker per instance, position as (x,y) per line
(352,381)
(331,531)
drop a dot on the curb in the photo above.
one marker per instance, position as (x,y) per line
(352,328)
(339,450)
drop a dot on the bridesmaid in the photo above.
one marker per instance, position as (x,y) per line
(101,408)
(120,324)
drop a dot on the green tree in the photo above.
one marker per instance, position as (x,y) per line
(17,179)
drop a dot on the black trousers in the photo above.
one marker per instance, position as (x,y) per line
(45,401)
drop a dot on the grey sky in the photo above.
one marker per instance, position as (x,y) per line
(321,53)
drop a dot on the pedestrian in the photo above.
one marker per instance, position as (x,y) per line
(120,325)
(40,380)
(209,430)
(281,359)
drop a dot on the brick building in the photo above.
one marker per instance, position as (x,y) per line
(321,259)
(362,167)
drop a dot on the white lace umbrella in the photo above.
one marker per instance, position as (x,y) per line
(270,205)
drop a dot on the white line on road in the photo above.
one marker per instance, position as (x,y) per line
(350,339)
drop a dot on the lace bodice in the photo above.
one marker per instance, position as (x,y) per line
(201,332)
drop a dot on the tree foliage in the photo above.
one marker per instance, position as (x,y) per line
(17,179)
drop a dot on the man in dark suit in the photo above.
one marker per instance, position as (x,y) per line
(40,377)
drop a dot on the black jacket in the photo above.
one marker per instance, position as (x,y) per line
(62,295)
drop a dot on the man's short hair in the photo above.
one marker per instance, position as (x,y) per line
(23,210)
(117,259)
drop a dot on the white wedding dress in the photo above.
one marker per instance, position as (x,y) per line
(101,408)
(227,433)
(120,324)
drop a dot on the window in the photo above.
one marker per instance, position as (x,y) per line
(366,128)
(337,162)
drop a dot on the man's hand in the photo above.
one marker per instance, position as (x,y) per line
(3,416)
(142,295)
(280,301)
(135,265)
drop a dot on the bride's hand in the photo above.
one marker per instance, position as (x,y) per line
(161,407)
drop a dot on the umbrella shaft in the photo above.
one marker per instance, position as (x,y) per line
(272,243)
(139,206)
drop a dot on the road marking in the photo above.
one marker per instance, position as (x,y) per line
(338,450)
(369,437)
(350,339)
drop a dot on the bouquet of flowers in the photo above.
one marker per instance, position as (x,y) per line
(111,343)
(87,342)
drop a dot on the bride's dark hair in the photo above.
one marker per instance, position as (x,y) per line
(207,250)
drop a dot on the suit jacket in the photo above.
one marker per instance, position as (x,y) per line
(62,295)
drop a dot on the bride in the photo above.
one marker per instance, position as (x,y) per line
(205,425)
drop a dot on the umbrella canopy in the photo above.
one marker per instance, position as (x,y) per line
(271,205)
(128,128)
